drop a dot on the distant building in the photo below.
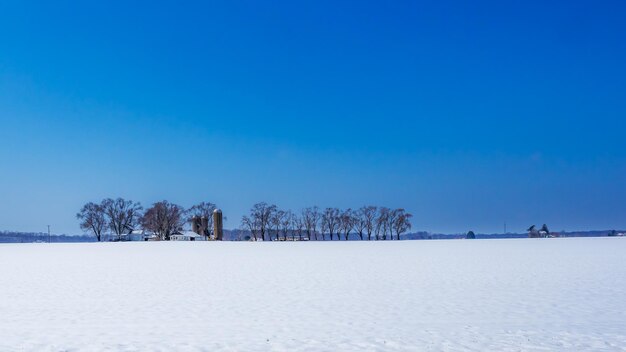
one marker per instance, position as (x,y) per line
(542,233)
(218,225)
(200,225)
(187,236)
(138,235)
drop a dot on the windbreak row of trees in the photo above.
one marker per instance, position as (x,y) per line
(120,217)
(268,222)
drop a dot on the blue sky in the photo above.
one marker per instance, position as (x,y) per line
(469,115)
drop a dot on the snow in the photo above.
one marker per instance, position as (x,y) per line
(450,295)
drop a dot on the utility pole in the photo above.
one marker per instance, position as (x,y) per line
(48,233)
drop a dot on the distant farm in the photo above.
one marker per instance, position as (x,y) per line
(125,220)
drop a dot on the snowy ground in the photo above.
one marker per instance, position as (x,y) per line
(455,295)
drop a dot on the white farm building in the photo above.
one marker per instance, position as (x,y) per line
(187,236)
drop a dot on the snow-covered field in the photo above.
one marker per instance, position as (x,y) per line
(455,295)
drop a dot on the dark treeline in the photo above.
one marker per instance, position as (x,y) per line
(268,222)
(119,217)
(29,237)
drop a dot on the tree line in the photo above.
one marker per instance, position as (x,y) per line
(122,216)
(268,222)
(119,217)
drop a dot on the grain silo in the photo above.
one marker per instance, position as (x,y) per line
(200,225)
(204,226)
(195,225)
(218,225)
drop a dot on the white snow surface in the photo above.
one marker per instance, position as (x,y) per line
(450,295)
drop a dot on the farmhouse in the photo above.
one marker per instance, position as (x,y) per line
(187,236)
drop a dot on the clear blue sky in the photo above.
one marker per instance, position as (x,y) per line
(468,114)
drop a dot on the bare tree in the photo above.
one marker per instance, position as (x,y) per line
(92,218)
(390,220)
(261,215)
(251,225)
(381,223)
(330,222)
(122,215)
(360,224)
(323,225)
(368,215)
(286,224)
(203,210)
(402,222)
(311,217)
(164,219)
(347,222)
(298,224)
(275,222)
